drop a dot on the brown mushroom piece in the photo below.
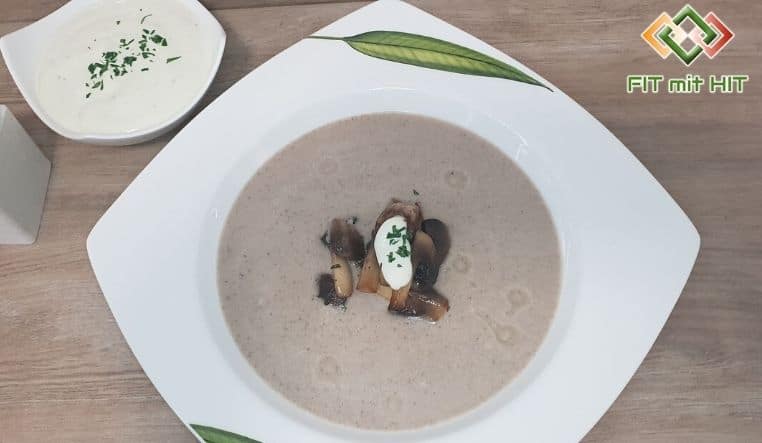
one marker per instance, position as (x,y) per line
(370,273)
(399,299)
(430,305)
(425,263)
(335,288)
(342,276)
(327,291)
(440,235)
(410,211)
(345,241)
(385,292)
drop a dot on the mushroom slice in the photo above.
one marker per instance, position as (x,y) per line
(425,263)
(410,211)
(345,241)
(399,298)
(370,273)
(440,235)
(342,276)
(385,292)
(335,288)
(327,291)
(430,305)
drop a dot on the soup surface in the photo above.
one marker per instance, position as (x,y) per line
(362,366)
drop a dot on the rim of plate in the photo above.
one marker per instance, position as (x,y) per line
(333,109)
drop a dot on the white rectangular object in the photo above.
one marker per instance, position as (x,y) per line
(24,175)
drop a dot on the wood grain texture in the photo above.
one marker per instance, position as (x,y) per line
(24,10)
(67,375)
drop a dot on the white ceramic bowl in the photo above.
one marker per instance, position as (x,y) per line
(627,247)
(23,50)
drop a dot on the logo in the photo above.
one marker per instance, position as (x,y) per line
(687,35)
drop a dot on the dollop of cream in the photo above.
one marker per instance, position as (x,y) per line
(396,266)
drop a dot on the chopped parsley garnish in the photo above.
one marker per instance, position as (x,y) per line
(159,40)
(396,232)
(123,60)
(398,236)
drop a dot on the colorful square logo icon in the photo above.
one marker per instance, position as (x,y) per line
(687,35)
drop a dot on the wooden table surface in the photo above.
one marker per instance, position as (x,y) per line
(67,375)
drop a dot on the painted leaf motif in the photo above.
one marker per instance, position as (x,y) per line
(432,53)
(214,435)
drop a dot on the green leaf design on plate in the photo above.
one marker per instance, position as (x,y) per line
(432,53)
(214,435)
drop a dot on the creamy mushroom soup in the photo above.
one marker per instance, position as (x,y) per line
(359,364)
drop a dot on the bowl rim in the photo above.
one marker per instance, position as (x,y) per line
(316,115)
(41,28)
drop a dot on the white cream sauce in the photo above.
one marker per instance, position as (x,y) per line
(391,236)
(155,88)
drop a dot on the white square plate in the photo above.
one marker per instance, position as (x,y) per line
(628,248)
